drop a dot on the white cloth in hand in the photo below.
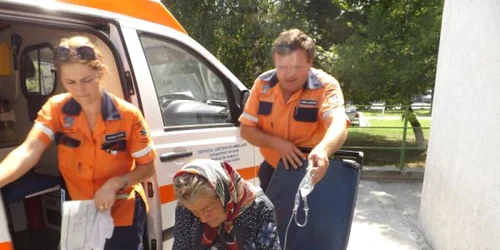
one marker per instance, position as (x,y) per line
(101,230)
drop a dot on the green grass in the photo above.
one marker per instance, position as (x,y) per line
(393,113)
(395,133)
(388,137)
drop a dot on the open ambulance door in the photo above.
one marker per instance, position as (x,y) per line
(191,103)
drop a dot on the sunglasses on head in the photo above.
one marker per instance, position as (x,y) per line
(82,53)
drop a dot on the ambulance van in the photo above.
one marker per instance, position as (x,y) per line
(190,100)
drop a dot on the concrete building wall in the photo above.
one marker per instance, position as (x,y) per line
(460,206)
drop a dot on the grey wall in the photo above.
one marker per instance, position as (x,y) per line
(460,207)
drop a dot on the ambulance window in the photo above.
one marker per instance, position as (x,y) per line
(188,91)
(37,71)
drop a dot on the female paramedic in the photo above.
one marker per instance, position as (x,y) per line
(217,209)
(104,149)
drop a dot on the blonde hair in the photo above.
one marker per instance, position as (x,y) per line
(75,42)
(189,187)
(291,40)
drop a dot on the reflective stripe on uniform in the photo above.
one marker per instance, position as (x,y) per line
(45,129)
(327,114)
(143,151)
(250,117)
(331,112)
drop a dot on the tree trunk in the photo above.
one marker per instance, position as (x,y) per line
(419,134)
(417,128)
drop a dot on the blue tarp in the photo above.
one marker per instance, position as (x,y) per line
(331,205)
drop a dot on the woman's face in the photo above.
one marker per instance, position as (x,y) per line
(80,80)
(209,209)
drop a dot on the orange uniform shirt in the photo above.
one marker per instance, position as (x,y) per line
(302,119)
(120,140)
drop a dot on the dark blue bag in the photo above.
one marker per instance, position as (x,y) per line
(331,204)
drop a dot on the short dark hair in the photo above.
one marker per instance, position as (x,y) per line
(291,40)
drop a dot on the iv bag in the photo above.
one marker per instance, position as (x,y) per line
(306,186)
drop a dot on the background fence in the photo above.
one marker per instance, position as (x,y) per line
(386,136)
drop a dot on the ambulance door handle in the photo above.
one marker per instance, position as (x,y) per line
(174,156)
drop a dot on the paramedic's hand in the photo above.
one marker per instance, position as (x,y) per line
(318,161)
(105,197)
(288,152)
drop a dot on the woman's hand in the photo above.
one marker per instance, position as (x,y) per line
(105,197)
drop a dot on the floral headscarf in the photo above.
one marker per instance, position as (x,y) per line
(235,194)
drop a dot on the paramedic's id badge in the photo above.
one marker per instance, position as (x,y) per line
(68,121)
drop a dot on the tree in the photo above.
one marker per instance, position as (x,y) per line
(238,32)
(378,49)
(241,32)
(411,117)
(328,22)
(393,57)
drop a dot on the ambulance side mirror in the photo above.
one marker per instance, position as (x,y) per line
(245,94)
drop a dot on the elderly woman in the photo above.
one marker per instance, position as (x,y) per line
(217,209)
(104,150)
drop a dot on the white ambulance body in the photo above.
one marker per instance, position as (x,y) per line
(190,100)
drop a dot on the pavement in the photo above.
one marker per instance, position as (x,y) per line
(386,214)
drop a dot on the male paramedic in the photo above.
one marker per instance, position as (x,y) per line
(294,108)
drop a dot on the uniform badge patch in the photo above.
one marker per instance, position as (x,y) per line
(141,132)
(265,88)
(68,121)
(333,98)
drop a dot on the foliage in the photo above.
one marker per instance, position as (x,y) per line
(238,32)
(393,57)
(378,49)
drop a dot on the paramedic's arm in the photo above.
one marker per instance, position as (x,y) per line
(140,174)
(142,150)
(253,134)
(335,137)
(25,157)
(336,121)
(105,197)
(336,133)
(288,151)
(20,160)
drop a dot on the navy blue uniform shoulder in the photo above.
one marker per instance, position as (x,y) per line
(266,76)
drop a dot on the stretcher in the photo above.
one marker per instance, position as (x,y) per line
(331,204)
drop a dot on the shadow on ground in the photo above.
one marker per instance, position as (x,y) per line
(386,217)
